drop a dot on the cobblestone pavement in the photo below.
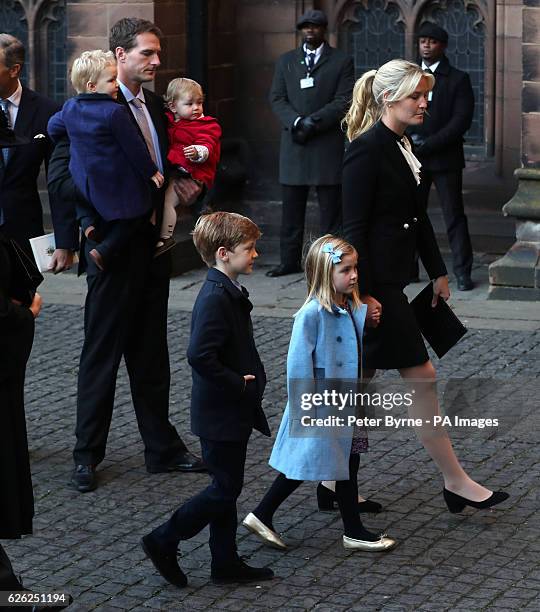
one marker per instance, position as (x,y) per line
(88,544)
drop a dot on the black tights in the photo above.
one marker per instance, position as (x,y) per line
(346,495)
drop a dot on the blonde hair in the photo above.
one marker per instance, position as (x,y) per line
(222,229)
(319,268)
(88,66)
(398,79)
(181,87)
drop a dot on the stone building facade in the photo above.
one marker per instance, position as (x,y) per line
(231,46)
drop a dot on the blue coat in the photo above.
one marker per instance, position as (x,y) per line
(110,163)
(323,345)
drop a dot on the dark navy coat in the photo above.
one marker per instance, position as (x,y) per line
(19,196)
(221,351)
(110,163)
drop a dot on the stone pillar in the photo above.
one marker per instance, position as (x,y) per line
(516,276)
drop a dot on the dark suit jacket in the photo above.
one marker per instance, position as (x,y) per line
(383,216)
(221,351)
(19,198)
(318,162)
(449,116)
(106,150)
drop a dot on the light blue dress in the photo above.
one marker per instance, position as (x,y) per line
(323,345)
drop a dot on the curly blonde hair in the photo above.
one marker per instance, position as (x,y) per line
(398,79)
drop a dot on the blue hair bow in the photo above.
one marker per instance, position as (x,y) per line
(336,255)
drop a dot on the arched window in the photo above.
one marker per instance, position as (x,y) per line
(466,42)
(41,26)
(373,33)
(13,21)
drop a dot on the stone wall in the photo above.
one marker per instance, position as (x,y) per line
(530,153)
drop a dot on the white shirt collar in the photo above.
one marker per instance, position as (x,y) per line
(318,51)
(129,96)
(433,67)
(15,97)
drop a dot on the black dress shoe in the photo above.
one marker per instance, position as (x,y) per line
(456,503)
(186,462)
(164,561)
(327,502)
(464,283)
(284,269)
(84,478)
(240,572)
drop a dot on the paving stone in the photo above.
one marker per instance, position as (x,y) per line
(89,544)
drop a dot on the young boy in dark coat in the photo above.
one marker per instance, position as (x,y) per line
(110,162)
(228,385)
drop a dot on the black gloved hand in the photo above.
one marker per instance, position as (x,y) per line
(304,129)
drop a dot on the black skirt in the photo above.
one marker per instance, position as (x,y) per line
(397,342)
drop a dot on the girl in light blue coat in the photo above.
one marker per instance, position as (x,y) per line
(325,344)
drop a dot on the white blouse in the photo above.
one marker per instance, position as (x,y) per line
(410,158)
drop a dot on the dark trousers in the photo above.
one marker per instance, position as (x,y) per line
(449,185)
(293,217)
(126,315)
(214,506)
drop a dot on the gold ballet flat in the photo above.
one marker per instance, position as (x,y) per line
(266,534)
(383,543)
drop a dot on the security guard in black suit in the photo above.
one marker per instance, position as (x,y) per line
(310,92)
(439,145)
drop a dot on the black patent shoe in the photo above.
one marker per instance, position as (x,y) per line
(456,503)
(164,561)
(284,269)
(327,502)
(240,572)
(84,478)
(464,283)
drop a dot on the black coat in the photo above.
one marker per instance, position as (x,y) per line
(318,161)
(19,197)
(383,216)
(221,351)
(16,337)
(449,116)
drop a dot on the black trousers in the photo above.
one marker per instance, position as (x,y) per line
(449,186)
(214,506)
(126,315)
(294,213)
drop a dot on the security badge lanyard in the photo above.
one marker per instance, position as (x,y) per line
(308,80)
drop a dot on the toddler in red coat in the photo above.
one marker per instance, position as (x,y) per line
(194,147)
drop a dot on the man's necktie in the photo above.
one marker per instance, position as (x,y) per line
(311,60)
(144,127)
(4,105)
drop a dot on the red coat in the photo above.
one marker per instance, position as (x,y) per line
(204,131)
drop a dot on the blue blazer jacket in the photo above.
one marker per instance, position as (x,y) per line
(323,345)
(110,163)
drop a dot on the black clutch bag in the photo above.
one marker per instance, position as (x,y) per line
(25,276)
(439,325)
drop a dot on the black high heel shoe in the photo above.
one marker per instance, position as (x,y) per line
(456,503)
(327,502)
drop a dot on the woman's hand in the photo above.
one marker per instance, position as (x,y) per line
(35,306)
(440,288)
(374,310)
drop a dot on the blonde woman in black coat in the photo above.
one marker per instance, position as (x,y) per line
(385,221)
